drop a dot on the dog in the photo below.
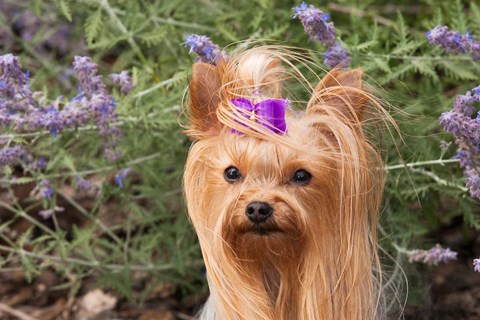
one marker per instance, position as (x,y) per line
(285,203)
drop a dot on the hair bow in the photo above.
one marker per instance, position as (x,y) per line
(269,113)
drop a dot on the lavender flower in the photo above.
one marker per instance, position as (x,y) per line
(336,56)
(119,177)
(476,265)
(9,155)
(203,47)
(15,93)
(42,163)
(44,190)
(315,24)
(46,214)
(90,82)
(434,256)
(462,124)
(454,42)
(124,80)
(85,185)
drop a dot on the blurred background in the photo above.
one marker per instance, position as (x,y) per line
(92,219)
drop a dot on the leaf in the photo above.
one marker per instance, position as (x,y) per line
(406,48)
(459,19)
(228,32)
(457,71)
(276,31)
(425,67)
(366,45)
(65,9)
(399,72)
(401,28)
(257,20)
(382,65)
(93,25)
(107,43)
(121,281)
(475,20)
(154,37)
(265,4)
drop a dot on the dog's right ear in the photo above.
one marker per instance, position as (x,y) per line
(204,94)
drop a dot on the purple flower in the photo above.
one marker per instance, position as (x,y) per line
(119,177)
(86,71)
(42,163)
(434,256)
(9,155)
(46,214)
(14,85)
(465,127)
(124,80)
(336,56)
(203,47)
(85,185)
(476,265)
(44,189)
(472,181)
(315,24)
(454,42)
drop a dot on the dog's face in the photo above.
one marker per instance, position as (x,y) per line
(263,198)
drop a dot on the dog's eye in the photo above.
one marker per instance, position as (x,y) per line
(301,176)
(232,174)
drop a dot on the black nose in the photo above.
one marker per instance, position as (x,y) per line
(258,211)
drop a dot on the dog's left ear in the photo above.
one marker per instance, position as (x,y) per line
(204,92)
(342,90)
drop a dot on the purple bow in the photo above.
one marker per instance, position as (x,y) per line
(269,113)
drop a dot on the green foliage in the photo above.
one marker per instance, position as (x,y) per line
(142,228)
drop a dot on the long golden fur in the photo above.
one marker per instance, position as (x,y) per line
(319,259)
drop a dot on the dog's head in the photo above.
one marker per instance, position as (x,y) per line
(300,195)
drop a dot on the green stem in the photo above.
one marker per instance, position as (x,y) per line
(177,23)
(125,120)
(400,57)
(437,179)
(420,163)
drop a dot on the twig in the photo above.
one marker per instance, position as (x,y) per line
(399,57)
(437,179)
(16,313)
(359,13)
(420,163)
(178,23)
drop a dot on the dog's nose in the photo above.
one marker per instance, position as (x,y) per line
(258,211)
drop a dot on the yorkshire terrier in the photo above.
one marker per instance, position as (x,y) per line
(285,203)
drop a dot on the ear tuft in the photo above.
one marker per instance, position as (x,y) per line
(204,91)
(342,90)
